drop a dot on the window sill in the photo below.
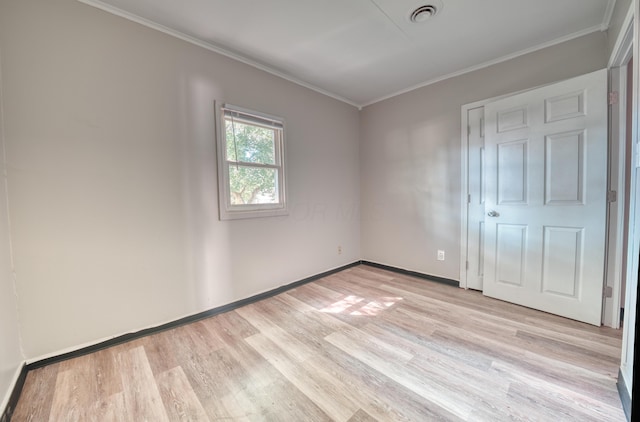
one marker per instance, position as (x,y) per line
(244,214)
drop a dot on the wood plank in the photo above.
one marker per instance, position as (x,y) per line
(76,389)
(67,400)
(108,409)
(180,401)
(37,395)
(107,374)
(211,377)
(160,351)
(296,349)
(427,388)
(229,328)
(566,400)
(246,387)
(362,416)
(379,396)
(324,391)
(141,396)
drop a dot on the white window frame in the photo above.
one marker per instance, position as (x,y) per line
(230,211)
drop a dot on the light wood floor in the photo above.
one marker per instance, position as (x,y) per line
(360,345)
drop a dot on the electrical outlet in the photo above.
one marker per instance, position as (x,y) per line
(339,250)
(440,255)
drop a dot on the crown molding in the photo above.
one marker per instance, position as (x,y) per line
(608,14)
(489,63)
(266,68)
(213,47)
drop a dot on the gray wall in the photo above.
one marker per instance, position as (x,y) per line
(410,155)
(10,353)
(112,174)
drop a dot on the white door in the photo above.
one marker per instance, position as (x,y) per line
(475,208)
(546,167)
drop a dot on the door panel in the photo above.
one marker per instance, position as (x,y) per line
(509,120)
(511,257)
(545,171)
(566,106)
(512,172)
(564,166)
(562,261)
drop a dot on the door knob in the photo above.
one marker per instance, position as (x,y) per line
(493,213)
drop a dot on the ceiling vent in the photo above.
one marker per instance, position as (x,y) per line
(423,13)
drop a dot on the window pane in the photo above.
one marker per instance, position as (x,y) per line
(252,144)
(249,185)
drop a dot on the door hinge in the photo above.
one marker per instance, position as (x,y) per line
(469,199)
(468,130)
(482,127)
(612,196)
(467,265)
(613,97)
(607,292)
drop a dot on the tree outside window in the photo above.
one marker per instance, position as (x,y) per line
(252,167)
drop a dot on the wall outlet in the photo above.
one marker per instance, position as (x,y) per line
(339,250)
(440,255)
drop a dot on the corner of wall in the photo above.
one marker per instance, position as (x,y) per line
(5,193)
(13,363)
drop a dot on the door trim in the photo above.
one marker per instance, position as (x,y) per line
(614,271)
(630,349)
(464,180)
(623,47)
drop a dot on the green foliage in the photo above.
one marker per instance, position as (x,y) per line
(247,143)
(252,185)
(253,144)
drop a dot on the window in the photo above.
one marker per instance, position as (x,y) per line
(250,164)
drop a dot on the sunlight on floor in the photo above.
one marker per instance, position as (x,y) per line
(372,308)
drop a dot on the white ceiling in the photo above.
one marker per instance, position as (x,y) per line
(362,51)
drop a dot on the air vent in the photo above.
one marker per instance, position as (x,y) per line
(423,13)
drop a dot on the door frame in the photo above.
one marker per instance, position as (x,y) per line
(630,349)
(616,249)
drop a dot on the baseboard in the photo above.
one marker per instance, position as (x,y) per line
(6,416)
(15,395)
(182,321)
(625,398)
(437,279)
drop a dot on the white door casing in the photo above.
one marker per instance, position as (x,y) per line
(545,197)
(475,199)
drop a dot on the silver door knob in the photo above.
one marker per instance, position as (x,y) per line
(493,213)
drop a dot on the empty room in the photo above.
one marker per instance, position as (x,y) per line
(345,210)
